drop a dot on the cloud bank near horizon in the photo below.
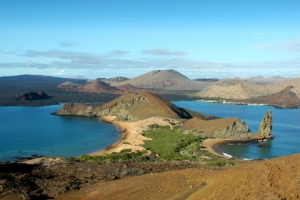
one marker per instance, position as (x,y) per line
(155,59)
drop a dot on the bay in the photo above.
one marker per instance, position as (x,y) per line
(286,128)
(27,131)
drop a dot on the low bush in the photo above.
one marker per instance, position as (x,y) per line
(124,155)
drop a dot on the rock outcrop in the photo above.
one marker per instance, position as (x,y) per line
(224,128)
(265,128)
(33,96)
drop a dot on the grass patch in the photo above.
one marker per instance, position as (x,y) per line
(168,143)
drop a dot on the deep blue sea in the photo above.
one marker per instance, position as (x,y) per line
(27,131)
(286,128)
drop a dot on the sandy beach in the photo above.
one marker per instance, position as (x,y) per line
(210,144)
(132,137)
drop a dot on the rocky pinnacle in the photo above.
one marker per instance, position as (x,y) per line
(265,128)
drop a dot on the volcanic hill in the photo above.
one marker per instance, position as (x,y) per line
(238,89)
(96,87)
(284,99)
(129,107)
(164,79)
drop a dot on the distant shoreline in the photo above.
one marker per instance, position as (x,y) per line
(248,104)
(234,103)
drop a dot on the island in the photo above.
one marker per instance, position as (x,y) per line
(135,113)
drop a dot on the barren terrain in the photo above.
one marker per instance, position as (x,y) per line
(270,179)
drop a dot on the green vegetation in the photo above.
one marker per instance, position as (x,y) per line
(219,163)
(124,155)
(168,144)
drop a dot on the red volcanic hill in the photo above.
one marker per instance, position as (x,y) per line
(68,85)
(97,87)
(285,99)
(127,87)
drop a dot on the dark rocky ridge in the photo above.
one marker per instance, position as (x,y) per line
(48,178)
(33,96)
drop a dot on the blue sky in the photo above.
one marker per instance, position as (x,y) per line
(108,38)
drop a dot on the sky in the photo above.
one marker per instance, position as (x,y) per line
(110,38)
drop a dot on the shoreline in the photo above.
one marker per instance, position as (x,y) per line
(132,137)
(210,145)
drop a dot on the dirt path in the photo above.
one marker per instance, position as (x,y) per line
(272,179)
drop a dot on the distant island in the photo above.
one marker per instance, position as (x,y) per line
(170,84)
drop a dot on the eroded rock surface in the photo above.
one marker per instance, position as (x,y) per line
(49,178)
(33,96)
(265,128)
(224,128)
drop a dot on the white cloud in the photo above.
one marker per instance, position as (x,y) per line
(163,52)
(290,45)
(85,61)
(68,43)
(61,72)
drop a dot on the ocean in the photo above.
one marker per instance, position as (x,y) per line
(27,131)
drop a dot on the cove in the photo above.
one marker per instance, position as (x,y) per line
(27,131)
(286,128)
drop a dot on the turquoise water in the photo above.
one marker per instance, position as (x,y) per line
(286,128)
(27,131)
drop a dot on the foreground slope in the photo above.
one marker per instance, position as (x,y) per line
(270,179)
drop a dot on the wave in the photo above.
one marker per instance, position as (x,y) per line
(227,155)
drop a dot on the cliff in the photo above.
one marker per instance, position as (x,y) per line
(225,128)
(230,128)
